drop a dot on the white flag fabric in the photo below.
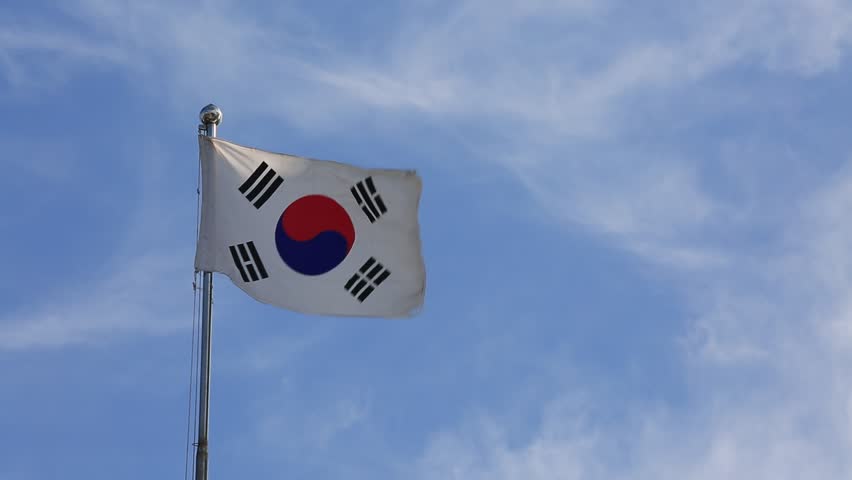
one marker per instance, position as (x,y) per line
(313,236)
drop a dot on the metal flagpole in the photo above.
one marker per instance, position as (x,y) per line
(211,117)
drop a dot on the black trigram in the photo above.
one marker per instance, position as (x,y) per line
(368,199)
(248,262)
(366,279)
(263,185)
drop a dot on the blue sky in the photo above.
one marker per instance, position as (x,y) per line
(635,225)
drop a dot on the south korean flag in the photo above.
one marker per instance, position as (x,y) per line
(312,236)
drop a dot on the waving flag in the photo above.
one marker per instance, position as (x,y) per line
(312,236)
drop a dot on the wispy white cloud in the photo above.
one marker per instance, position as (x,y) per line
(730,442)
(271,353)
(767,362)
(321,425)
(141,296)
(142,287)
(463,61)
(42,57)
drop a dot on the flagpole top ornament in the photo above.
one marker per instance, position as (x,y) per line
(211,114)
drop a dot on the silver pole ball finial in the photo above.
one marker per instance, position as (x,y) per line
(211,114)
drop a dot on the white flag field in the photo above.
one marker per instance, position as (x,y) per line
(312,236)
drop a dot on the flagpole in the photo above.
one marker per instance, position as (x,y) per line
(211,117)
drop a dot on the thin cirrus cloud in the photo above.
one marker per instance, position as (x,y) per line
(138,284)
(767,365)
(136,298)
